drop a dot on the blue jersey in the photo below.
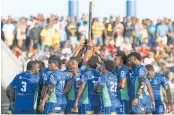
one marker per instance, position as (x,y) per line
(157,82)
(123,73)
(26,86)
(83,69)
(90,78)
(59,78)
(44,77)
(75,87)
(109,92)
(136,74)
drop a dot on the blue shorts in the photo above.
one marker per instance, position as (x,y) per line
(55,108)
(69,107)
(124,109)
(159,107)
(20,111)
(111,110)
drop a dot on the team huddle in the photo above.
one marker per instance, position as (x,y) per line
(88,84)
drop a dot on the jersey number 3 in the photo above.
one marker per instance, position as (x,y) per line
(24,85)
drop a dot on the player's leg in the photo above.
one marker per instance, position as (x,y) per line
(124,109)
(107,110)
(10,110)
(159,107)
(86,109)
(96,104)
(68,107)
(51,108)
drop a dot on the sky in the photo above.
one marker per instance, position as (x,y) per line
(145,8)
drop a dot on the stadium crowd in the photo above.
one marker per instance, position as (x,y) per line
(41,38)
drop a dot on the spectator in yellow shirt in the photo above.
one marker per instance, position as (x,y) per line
(46,37)
(56,37)
(97,31)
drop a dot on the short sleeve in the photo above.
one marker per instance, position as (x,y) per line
(84,78)
(142,72)
(53,79)
(83,68)
(164,81)
(123,74)
(101,80)
(14,82)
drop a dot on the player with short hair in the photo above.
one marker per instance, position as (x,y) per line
(73,86)
(23,90)
(91,103)
(140,95)
(107,85)
(158,81)
(55,91)
(122,73)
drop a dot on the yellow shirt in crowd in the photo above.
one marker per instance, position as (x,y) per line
(47,35)
(97,30)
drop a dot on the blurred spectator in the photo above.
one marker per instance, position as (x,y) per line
(21,29)
(46,37)
(97,32)
(109,27)
(144,33)
(149,59)
(162,31)
(83,30)
(72,30)
(8,30)
(56,37)
(111,47)
(63,34)
(129,28)
(126,46)
(151,32)
(118,32)
(35,35)
(138,29)
(164,70)
(56,24)
(2,24)
(171,33)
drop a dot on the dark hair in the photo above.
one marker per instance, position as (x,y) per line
(74,59)
(55,59)
(92,64)
(109,65)
(123,56)
(95,58)
(149,67)
(42,65)
(64,61)
(30,65)
(136,55)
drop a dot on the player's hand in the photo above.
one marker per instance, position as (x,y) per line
(135,102)
(75,105)
(41,106)
(153,104)
(90,43)
(169,108)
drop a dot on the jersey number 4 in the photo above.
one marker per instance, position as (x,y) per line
(113,87)
(24,85)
